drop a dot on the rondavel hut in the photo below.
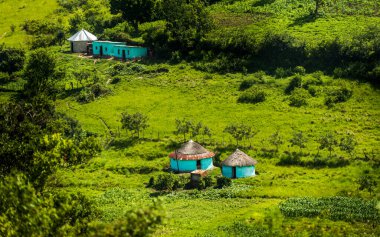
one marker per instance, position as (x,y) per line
(81,40)
(238,165)
(191,156)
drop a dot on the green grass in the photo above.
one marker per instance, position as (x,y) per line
(16,12)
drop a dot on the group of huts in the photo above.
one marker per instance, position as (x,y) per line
(85,42)
(192,157)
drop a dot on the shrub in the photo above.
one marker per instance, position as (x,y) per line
(294,83)
(299,70)
(85,96)
(338,95)
(167,182)
(99,90)
(248,83)
(115,80)
(299,97)
(253,95)
(208,181)
(222,182)
(282,72)
(11,59)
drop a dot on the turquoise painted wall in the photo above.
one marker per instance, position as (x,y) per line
(189,165)
(131,52)
(108,47)
(241,172)
(206,164)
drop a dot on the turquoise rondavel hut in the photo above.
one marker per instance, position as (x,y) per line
(118,50)
(238,165)
(191,156)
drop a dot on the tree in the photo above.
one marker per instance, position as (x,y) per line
(240,132)
(11,59)
(328,141)
(299,140)
(347,144)
(135,123)
(276,139)
(366,182)
(187,21)
(318,5)
(134,11)
(183,127)
(39,72)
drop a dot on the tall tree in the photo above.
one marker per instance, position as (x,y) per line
(134,122)
(133,11)
(39,72)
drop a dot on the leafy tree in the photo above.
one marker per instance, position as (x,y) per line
(318,5)
(135,123)
(296,82)
(299,140)
(347,144)
(328,141)
(367,182)
(11,59)
(299,97)
(240,132)
(276,139)
(134,11)
(39,72)
(185,127)
(187,21)
(25,212)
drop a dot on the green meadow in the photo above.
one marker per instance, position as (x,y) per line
(116,180)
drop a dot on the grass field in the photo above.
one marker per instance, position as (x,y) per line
(116,179)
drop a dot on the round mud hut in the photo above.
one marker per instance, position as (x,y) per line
(238,165)
(191,156)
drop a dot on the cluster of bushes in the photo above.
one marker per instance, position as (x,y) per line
(89,94)
(11,60)
(172,182)
(294,158)
(253,95)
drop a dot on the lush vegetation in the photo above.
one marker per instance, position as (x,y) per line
(294,84)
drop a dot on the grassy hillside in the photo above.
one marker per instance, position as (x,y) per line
(14,13)
(165,90)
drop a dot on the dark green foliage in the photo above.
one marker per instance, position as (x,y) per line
(140,222)
(347,144)
(338,95)
(134,122)
(276,139)
(253,95)
(299,97)
(134,11)
(208,181)
(187,127)
(367,182)
(299,70)
(328,142)
(11,59)
(25,212)
(86,95)
(296,82)
(334,208)
(99,90)
(169,182)
(222,182)
(282,72)
(39,72)
(294,158)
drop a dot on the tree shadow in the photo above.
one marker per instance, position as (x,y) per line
(303,20)
(263,3)
(119,144)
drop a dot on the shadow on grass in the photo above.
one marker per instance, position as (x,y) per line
(263,3)
(121,143)
(303,20)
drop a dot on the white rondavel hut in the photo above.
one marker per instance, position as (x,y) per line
(81,40)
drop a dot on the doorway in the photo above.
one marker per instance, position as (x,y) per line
(123,55)
(234,172)
(199,164)
(101,51)
(72,47)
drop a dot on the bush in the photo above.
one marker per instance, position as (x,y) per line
(253,95)
(11,59)
(99,90)
(299,97)
(115,80)
(299,70)
(85,96)
(282,72)
(222,182)
(167,182)
(296,82)
(338,95)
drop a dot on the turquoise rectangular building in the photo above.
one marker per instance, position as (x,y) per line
(118,50)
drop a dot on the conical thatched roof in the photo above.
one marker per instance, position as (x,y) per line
(239,158)
(83,35)
(191,151)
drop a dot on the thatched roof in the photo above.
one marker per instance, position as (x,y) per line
(191,151)
(239,158)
